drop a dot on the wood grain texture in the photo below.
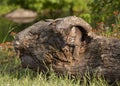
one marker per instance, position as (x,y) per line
(68,45)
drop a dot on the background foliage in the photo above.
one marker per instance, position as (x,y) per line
(103,15)
(105,10)
(91,10)
(54,7)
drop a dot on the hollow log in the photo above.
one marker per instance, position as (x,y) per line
(68,45)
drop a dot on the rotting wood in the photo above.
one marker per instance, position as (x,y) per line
(68,45)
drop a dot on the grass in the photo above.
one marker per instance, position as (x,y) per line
(11,74)
(5,28)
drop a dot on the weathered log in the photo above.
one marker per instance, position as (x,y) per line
(68,45)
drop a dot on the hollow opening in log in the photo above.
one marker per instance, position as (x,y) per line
(81,35)
(83,31)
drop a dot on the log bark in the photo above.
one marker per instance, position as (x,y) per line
(68,45)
